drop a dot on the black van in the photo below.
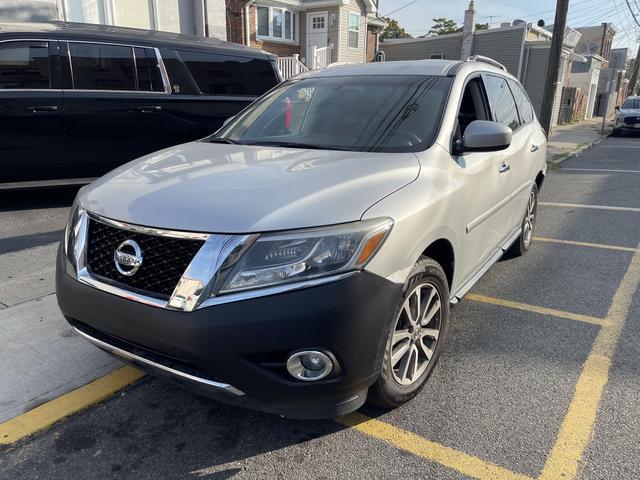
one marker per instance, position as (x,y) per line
(77,100)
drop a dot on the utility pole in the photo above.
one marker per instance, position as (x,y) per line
(634,76)
(555,55)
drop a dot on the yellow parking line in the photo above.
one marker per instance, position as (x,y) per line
(59,408)
(586,244)
(577,426)
(435,452)
(474,297)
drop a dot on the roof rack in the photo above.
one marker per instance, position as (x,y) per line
(490,61)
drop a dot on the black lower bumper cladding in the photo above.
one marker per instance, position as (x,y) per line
(245,344)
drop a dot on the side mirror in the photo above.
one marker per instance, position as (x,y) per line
(228,120)
(485,136)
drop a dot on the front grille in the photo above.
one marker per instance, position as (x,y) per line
(631,120)
(165,259)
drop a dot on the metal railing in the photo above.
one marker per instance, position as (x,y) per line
(291,66)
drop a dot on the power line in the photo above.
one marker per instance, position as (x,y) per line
(401,8)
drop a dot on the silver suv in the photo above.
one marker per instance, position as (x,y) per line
(627,116)
(305,256)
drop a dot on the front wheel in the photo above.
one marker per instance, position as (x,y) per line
(523,244)
(418,330)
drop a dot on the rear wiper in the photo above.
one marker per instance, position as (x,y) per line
(224,140)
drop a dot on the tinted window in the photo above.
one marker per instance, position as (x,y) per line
(502,103)
(102,67)
(631,103)
(377,113)
(524,106)
(218,74)
(24,65)
(148,70)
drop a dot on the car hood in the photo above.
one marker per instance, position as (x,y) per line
(221,188)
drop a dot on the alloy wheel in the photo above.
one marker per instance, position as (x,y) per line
(529,219)
(416,334)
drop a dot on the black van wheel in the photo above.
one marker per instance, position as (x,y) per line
(417,333)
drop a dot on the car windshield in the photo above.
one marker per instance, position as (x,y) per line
(631,104)
(361,113)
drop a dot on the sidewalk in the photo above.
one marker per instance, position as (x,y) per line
(571,139)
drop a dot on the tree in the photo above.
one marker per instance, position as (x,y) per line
(443,26)
(393,30)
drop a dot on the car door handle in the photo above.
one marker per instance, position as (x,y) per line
(505,167)
(534,148)
(42,108)
(149,108)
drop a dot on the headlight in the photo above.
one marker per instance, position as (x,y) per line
(71,245)
(302,254)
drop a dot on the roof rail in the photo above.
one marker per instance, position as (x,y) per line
(490,61)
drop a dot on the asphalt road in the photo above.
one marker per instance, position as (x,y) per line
(513,387)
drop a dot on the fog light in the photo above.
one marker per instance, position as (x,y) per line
(309,365)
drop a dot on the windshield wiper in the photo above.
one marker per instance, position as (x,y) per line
(224,140)
(300,145)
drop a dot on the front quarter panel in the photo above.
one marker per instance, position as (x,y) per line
(422,214)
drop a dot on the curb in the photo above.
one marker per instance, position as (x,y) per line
(578,151)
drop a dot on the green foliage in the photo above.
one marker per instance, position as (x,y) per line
(444,26)
(393,30)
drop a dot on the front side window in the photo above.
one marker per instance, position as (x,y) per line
(524,105)
(102,67)
(502,103)
(361,113)
(354,29)
(24,65)
(276,23)
(218,74)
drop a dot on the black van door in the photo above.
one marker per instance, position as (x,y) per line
(32,146)
(113,110)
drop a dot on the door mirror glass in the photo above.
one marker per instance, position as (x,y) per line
(486,136)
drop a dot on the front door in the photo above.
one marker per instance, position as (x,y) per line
(317,49)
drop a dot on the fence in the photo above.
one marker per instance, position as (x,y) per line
(291,66)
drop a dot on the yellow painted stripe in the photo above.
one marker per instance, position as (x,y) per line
(58,409)
(474,297)
(585,244)
(577,426)
(435,452)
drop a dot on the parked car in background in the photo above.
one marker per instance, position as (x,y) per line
(628,116)
(78,100)
(303,258)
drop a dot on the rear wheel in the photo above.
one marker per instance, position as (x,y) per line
(417,334)
(523,244)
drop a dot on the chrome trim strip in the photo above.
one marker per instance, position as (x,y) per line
(45,183)
(86,278)
(267,291)
(466,286)
(161,232)
(163,72)
(135,358)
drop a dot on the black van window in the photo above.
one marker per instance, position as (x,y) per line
(24,65)
(217,74)
(102,67)
(149,76)
(502,103)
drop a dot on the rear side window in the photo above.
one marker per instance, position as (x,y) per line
(148,70)
(502,103)
(102,67)
(524,105)
(218,74)
(24,65)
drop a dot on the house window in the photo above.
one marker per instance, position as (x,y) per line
(276,24)
(354,29)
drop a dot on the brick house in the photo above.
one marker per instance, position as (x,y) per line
(318,32)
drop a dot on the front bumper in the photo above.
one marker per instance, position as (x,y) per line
(240,348)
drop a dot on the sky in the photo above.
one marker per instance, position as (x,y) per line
(416,18)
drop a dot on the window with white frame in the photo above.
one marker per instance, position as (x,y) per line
(354,29)
(276,23)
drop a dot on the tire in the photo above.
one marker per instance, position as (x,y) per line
(396,386)
(523,244)
(615,132)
